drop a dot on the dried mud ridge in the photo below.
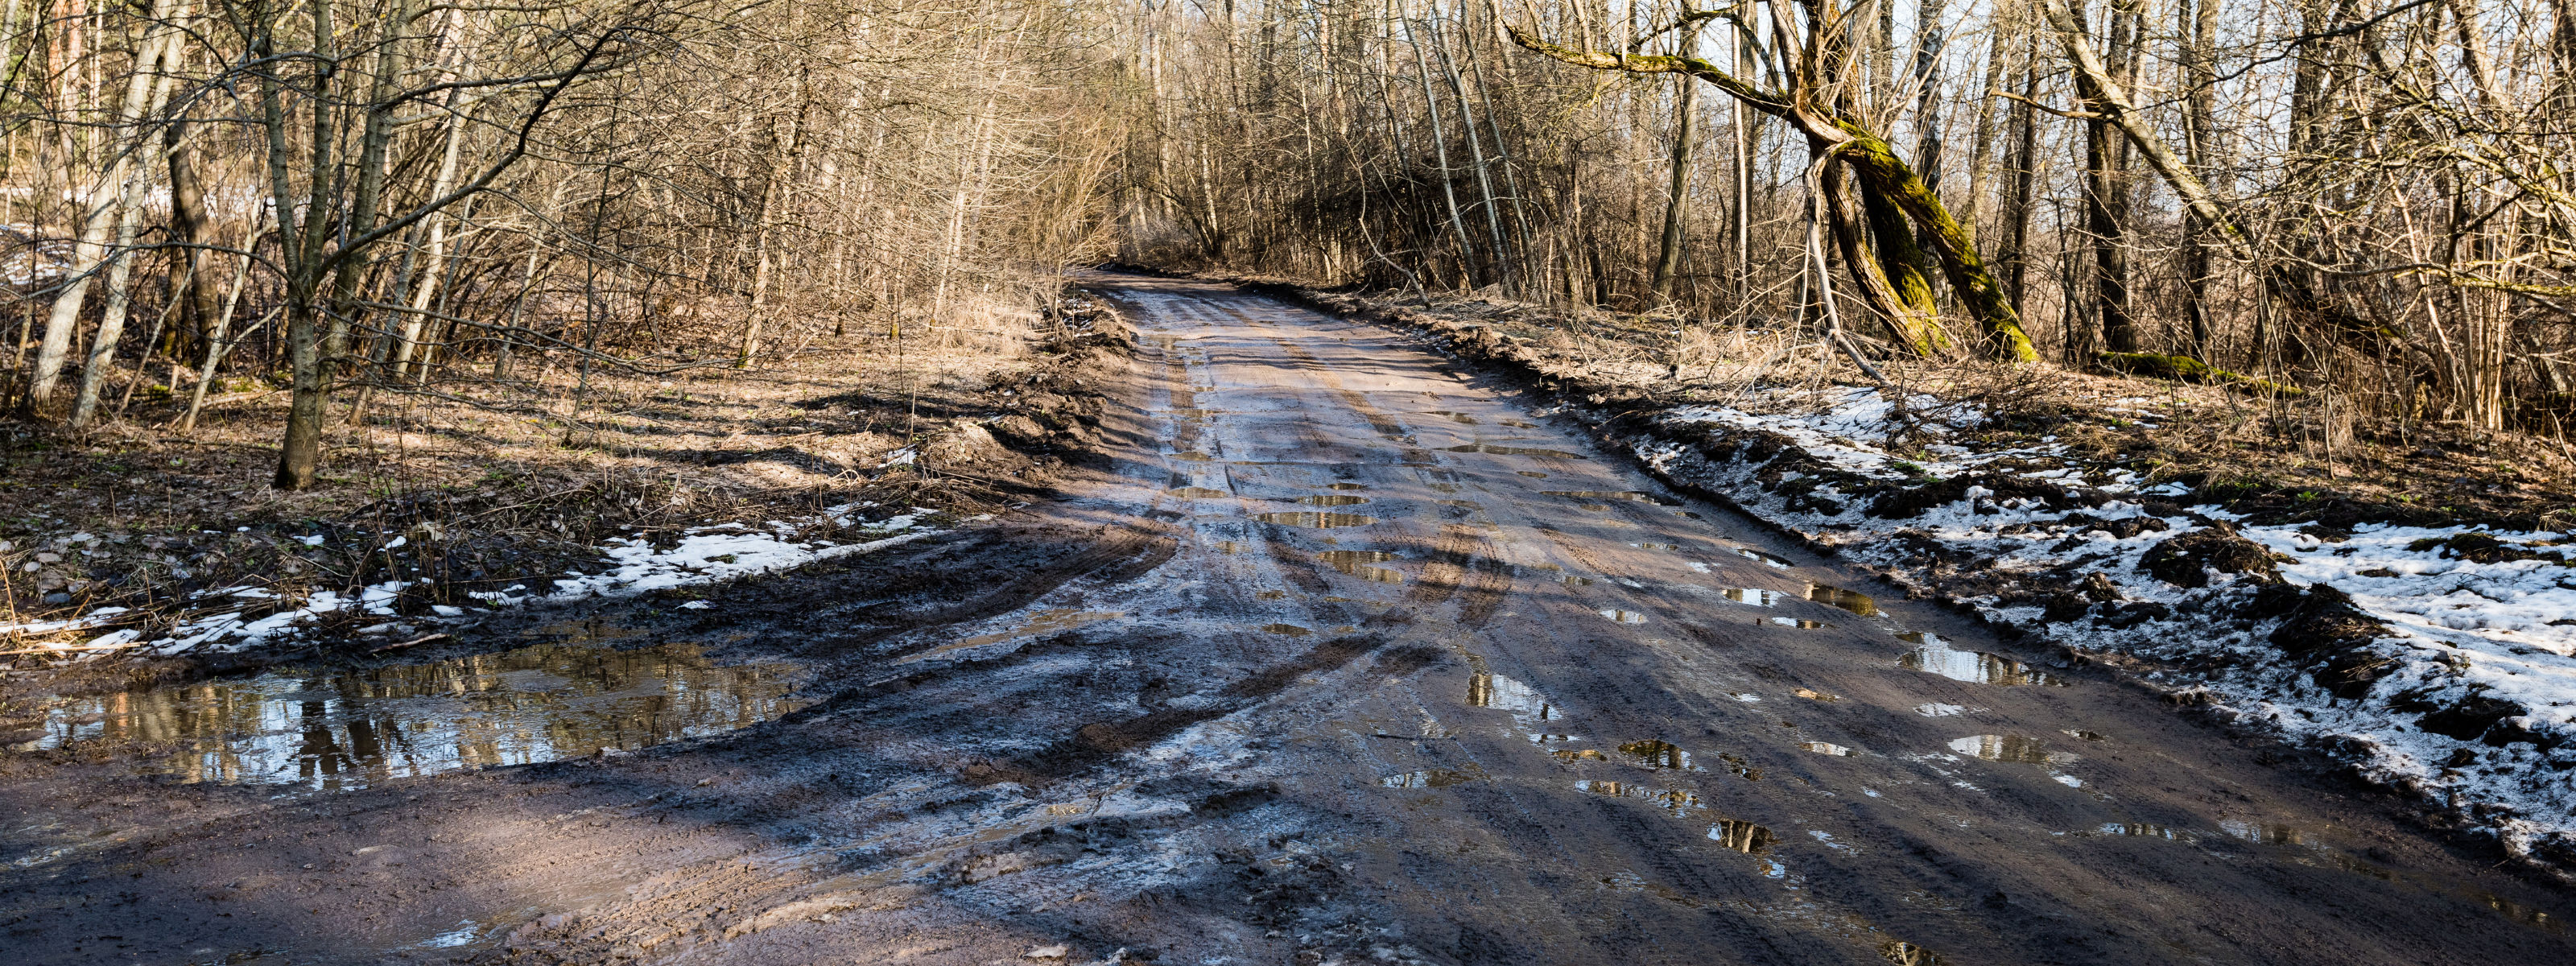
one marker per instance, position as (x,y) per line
(2327,641)
(1521,705)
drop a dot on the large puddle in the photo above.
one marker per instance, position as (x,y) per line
(335,730)
(1932,653)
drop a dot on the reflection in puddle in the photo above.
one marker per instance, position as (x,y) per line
(1853,601)
(1749,595)
(1657,755)
(1826,748)
(1657,546)
(1742,836)
(1320,521)
(1611,495)
(1434,778)
(1524,702)
(1193,457)
(1907,954)
(1572,755)
(1797,622)
(1548,739)
(348,729)
(1199,493)
(1332,500)
(1353,562)
(1769,558)
(1511,451)
(2013,748)
(1349,486)
(1814,695)
(1938,710)
(2086,735)
(1229,546)
(1623,616)
(1737,766)
(1975,667)
(1576,581)
(1290,630)
(1041,622)
(1680,802)
(1532,474)
(2143,831)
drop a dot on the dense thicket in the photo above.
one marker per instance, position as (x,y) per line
(2363,197)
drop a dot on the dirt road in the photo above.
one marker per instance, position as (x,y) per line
(1343,655)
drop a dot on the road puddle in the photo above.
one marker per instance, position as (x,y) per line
(1434,778)
(1354,563)
(1658,755)
(1532,474)
(1524,703)
(1742,836)
(1736,765)
(1657,546)
(1623,616)
(1571,755)
(1348,486)
(1041,623)
(1631,495)
(1575,581)
(2012,748)
(2085,735)
(1199,493)
(1904,953)
(1286,630)
(1853,601)
(1319,521)
(348,729)
(1512,451)
(1753,596)
(1334,499)
(1680,802)
(1938,710)
(1815,695)
(1933,654)
(1826,748)
(1797,622)
(2142,831)
(1229,546)
(1193,457)
(1770,559)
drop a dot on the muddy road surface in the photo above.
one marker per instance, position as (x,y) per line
(1340,653)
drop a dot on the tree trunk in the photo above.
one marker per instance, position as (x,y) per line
(1668,257)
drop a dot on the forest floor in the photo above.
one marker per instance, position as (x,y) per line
(1319,641)
(169,552)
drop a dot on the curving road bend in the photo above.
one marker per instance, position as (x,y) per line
(1341,655)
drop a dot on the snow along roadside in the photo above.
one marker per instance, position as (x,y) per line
(2437,660)
(233,619)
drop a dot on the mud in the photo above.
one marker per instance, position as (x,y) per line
(1076,730)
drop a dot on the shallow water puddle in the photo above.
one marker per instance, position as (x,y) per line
(1198,493)
(1770,559)
(2012,748)
(1334,499)
(1532,474)
(1753,596)
(1348,486)
(1572,581)
(1658,755)
(1041,623)
(1623,616)
(1742,836)
(1797,622)
(337,730)
(1193,457)
(1680,802)
(1434,778)
(1524,703)
(1353,562)
(1827,748)
(1931,653)
(1812,694)
(1511,451)
(1853,601)
(1320,521)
